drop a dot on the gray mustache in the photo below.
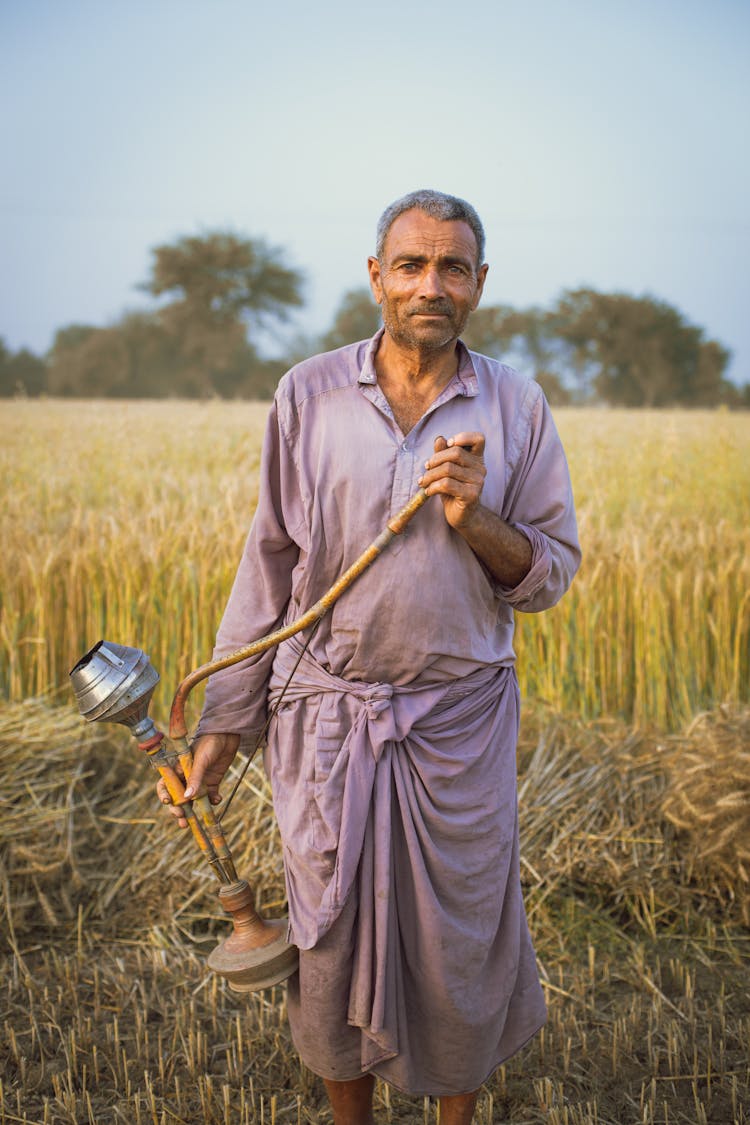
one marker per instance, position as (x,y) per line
(442,307)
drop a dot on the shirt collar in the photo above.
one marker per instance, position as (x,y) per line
(465,379)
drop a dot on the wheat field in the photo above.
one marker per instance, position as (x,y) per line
(125,521)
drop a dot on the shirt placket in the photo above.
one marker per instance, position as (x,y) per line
(402,460)
(411,452)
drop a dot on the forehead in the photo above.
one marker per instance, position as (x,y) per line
(414,232)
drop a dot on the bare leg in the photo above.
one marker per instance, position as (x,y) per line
(351,1101)
(458,1109)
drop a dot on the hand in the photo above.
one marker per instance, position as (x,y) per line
(212,756)
(456,472)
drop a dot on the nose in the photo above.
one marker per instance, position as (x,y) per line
(432,283)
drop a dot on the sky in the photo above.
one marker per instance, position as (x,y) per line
(603,144)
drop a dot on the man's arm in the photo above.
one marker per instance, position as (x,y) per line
(456,473)
(234,710)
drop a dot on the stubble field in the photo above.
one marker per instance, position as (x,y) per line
(126,521)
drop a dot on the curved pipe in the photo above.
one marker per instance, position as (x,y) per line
(177,727)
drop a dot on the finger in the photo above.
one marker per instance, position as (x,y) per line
(170,790)
(472,441)
(466,491)
(455,454)
(440,483)
(212,756)
(440,444)
(174,810)
(196,777)
(451,464)
(200,786)
(471,473)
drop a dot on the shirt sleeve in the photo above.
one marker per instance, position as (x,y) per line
(236,696)
(539,503)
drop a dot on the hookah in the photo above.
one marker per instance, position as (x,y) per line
(113,683)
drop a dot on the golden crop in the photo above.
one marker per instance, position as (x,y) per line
(125,520)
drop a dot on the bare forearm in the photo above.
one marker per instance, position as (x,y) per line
(505,551)
(456,473)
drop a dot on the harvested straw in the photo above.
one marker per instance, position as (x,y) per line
(109,1014)
(644,825)
(83,838)
(709,802)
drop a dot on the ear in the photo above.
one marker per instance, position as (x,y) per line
(373,268)
(481,278)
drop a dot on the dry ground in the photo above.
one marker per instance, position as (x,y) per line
(636,871)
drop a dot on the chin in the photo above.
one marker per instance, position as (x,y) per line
(429,335)
(438,338)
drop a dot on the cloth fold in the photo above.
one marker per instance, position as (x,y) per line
(400,801)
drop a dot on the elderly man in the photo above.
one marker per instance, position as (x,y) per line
(392,755)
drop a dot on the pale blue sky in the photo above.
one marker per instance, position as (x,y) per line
(602,143)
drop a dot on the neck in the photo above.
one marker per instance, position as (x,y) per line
(415,367)
(411,380)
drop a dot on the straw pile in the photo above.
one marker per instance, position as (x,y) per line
(635,864)
(625,818)
(648,826)
(709,802)
(85,842)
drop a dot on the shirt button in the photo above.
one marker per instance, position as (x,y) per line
(405,447)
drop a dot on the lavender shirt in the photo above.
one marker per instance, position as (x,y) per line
(392,758)
(335,468)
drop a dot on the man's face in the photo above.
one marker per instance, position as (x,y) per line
(427,281)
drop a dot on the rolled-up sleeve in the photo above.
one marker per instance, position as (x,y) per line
(539,503)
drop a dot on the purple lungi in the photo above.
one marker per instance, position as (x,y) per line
(398,817)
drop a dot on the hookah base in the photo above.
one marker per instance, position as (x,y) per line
(256,955)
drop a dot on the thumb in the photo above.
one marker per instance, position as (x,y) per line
(196,779)
(440,444)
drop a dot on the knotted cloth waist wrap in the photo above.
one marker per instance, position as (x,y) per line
(406,798)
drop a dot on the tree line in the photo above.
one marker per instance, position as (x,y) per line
(217,296)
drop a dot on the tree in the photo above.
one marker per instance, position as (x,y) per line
(638,351)
(555,391)
(493,330)
(222,288)
(22,373)
(525,337)
(134,358)
(87,362)
(357,318)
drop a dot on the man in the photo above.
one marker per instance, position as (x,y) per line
(392,755)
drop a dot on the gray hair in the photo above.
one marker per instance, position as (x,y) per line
(436,204)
